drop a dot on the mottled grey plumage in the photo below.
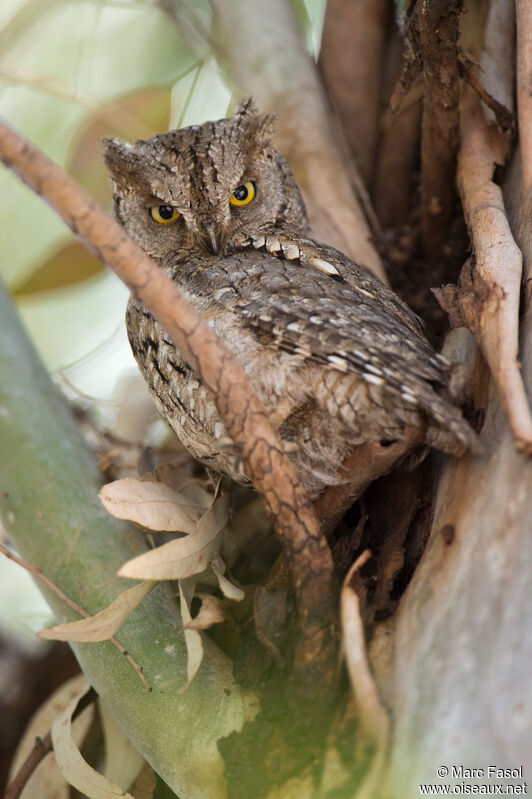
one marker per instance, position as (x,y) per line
(337,358)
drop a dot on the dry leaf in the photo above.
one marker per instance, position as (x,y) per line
(229,589)
(74,768)
(152,505)
(212,611)
(193,640)
(179,479)
(105,624)
(185,556)
(47,780)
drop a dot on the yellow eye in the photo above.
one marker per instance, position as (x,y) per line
(164,213)
(243,195)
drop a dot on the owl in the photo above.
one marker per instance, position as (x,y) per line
(335,356)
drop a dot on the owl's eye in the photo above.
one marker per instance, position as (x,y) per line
(243,195)
(164,213)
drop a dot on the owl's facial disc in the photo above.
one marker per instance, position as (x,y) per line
(213,231)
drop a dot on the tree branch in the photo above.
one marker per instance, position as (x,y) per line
(524,87)
(488,293)
(490,285)
(351,55)
(242,412)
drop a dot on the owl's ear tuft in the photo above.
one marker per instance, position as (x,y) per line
(121,160)
(246,108)
(259,127)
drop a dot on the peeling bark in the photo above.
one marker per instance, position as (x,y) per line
(457,684)
(489,286)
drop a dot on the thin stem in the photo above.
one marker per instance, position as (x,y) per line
(63,597)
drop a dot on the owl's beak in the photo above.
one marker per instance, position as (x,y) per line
(213,242)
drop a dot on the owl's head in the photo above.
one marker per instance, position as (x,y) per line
(200,187)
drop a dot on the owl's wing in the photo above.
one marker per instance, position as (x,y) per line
(312,254)
(302,311)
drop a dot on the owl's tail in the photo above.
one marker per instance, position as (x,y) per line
(447,429)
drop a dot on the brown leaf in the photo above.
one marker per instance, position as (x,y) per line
(183,557)
(212,611)
(71,264)
(193,640)
(74,768)
(105,624)
(229,589)
(152,505)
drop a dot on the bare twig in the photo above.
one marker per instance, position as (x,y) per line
(40,749)
(365,464)
(487,297)
(263,455)
(503,115)
(63,597)
(438,27)
(350,61)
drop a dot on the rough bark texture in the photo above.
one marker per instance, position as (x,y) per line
(457,683)
(241,410)
(487,299)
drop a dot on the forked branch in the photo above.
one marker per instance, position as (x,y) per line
(487,297)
